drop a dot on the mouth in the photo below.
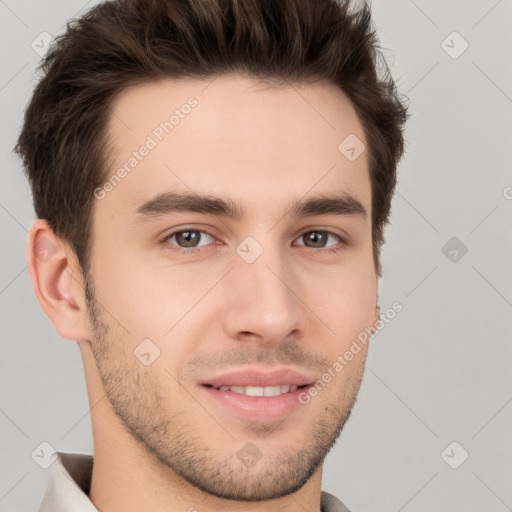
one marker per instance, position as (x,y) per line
(257,396)
(260,390)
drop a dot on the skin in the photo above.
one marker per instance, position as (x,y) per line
(159,442)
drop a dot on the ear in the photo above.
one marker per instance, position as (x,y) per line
(57,281)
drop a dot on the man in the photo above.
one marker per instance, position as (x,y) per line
(211,180)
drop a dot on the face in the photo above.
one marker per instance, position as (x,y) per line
(232,267)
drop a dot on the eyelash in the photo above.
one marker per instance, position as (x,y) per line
(192,250)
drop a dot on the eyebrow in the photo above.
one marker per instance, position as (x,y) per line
(171,202)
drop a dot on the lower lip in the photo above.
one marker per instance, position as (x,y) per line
(257,408)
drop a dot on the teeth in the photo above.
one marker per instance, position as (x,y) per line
(259,391)
(274,390)
(254,391)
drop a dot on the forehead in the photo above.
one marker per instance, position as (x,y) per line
(234,136)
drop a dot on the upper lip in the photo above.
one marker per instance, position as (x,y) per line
(253,377)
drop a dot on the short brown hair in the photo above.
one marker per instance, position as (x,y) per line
(124,42)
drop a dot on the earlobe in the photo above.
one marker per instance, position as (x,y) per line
(57,281)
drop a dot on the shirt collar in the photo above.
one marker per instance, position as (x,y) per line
(68,484)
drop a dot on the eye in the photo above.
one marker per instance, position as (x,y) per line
(319,239)
(189,238)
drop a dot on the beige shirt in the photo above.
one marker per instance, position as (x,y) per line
(70,480)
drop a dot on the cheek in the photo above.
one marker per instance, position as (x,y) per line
(150,301)
(345,301)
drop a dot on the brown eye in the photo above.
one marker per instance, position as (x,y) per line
(188,238)
(315,239)
(318,239)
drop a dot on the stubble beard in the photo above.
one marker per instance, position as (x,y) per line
(171,439)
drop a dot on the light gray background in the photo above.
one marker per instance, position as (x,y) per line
(438,373)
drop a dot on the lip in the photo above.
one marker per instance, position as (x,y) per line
(257,408)
(254,377)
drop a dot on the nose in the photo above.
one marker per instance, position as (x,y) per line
(261,303)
